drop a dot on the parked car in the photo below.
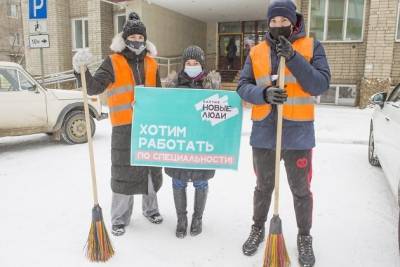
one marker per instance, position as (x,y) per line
(384,138)
(28,108)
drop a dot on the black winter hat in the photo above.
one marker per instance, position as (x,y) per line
(194,52)
(133,16)
(134,26)
(284,8)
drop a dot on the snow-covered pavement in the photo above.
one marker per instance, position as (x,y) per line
(45,205)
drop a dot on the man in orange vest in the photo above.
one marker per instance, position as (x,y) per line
(131,64)
(307,75)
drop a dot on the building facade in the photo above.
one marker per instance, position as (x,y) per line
(12,41)
(76,24)
(361,38)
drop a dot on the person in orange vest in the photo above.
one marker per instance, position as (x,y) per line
(131,64)
(307,75)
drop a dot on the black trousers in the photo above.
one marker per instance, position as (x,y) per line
(298,164)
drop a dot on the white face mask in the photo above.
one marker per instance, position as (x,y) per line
(193,71)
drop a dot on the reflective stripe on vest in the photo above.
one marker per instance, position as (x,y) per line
(300,104)
(120,108)
(121,92)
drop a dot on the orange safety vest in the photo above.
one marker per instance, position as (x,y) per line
(300,104)
(121,93)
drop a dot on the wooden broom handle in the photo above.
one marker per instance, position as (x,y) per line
(282,66)
(89,134)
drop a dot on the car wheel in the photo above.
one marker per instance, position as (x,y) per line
(372,157)
(73,130)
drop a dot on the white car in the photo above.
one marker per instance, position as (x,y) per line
(28,108)
(384,141)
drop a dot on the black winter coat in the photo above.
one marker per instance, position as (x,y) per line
(125,179)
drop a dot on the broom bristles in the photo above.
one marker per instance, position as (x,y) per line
(276,254)
(98,246)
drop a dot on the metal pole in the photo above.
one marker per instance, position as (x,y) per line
(169,66)
(41,64)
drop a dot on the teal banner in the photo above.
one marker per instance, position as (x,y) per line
(186,128)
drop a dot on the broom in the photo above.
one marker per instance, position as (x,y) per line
(276,254)
(98,246)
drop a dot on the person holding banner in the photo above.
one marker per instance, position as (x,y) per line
(307,75)
(133,54)
(193,75)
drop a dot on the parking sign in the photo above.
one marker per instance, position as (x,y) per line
(37,9)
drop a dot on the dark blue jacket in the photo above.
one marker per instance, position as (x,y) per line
(314,77)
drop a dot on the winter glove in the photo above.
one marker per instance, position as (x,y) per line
(82,57)
(284,48)
(212,81)
(274,95)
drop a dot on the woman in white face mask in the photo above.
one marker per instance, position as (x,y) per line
(192,75)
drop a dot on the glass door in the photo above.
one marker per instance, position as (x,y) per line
(230,52)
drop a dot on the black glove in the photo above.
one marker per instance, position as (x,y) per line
(284,48)
(274,95)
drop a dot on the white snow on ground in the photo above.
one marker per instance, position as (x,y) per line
(45,205)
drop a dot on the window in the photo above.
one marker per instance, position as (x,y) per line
(25,84)
(329,97)
(336,20)
(230,27)
(344,95)
(249,26)
(12,10)
(80,33)
(8,80)
(119,21)
(262,27)
(14,39)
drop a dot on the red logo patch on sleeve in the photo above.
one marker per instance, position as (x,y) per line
(302,163)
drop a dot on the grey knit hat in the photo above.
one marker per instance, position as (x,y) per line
(194,52)
(134,26)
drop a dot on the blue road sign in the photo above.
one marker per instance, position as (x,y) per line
(37,9)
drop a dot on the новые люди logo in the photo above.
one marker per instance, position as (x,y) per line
(216,109)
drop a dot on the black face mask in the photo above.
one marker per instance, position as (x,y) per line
(281,31)
(136,46)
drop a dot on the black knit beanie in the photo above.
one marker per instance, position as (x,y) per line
(284,8)
(194,52)
(134,26)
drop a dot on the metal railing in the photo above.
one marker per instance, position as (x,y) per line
(170,63)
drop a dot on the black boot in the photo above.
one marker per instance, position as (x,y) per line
(118,229)
(200,198)
(257,235)
(180,206)
(305,249)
